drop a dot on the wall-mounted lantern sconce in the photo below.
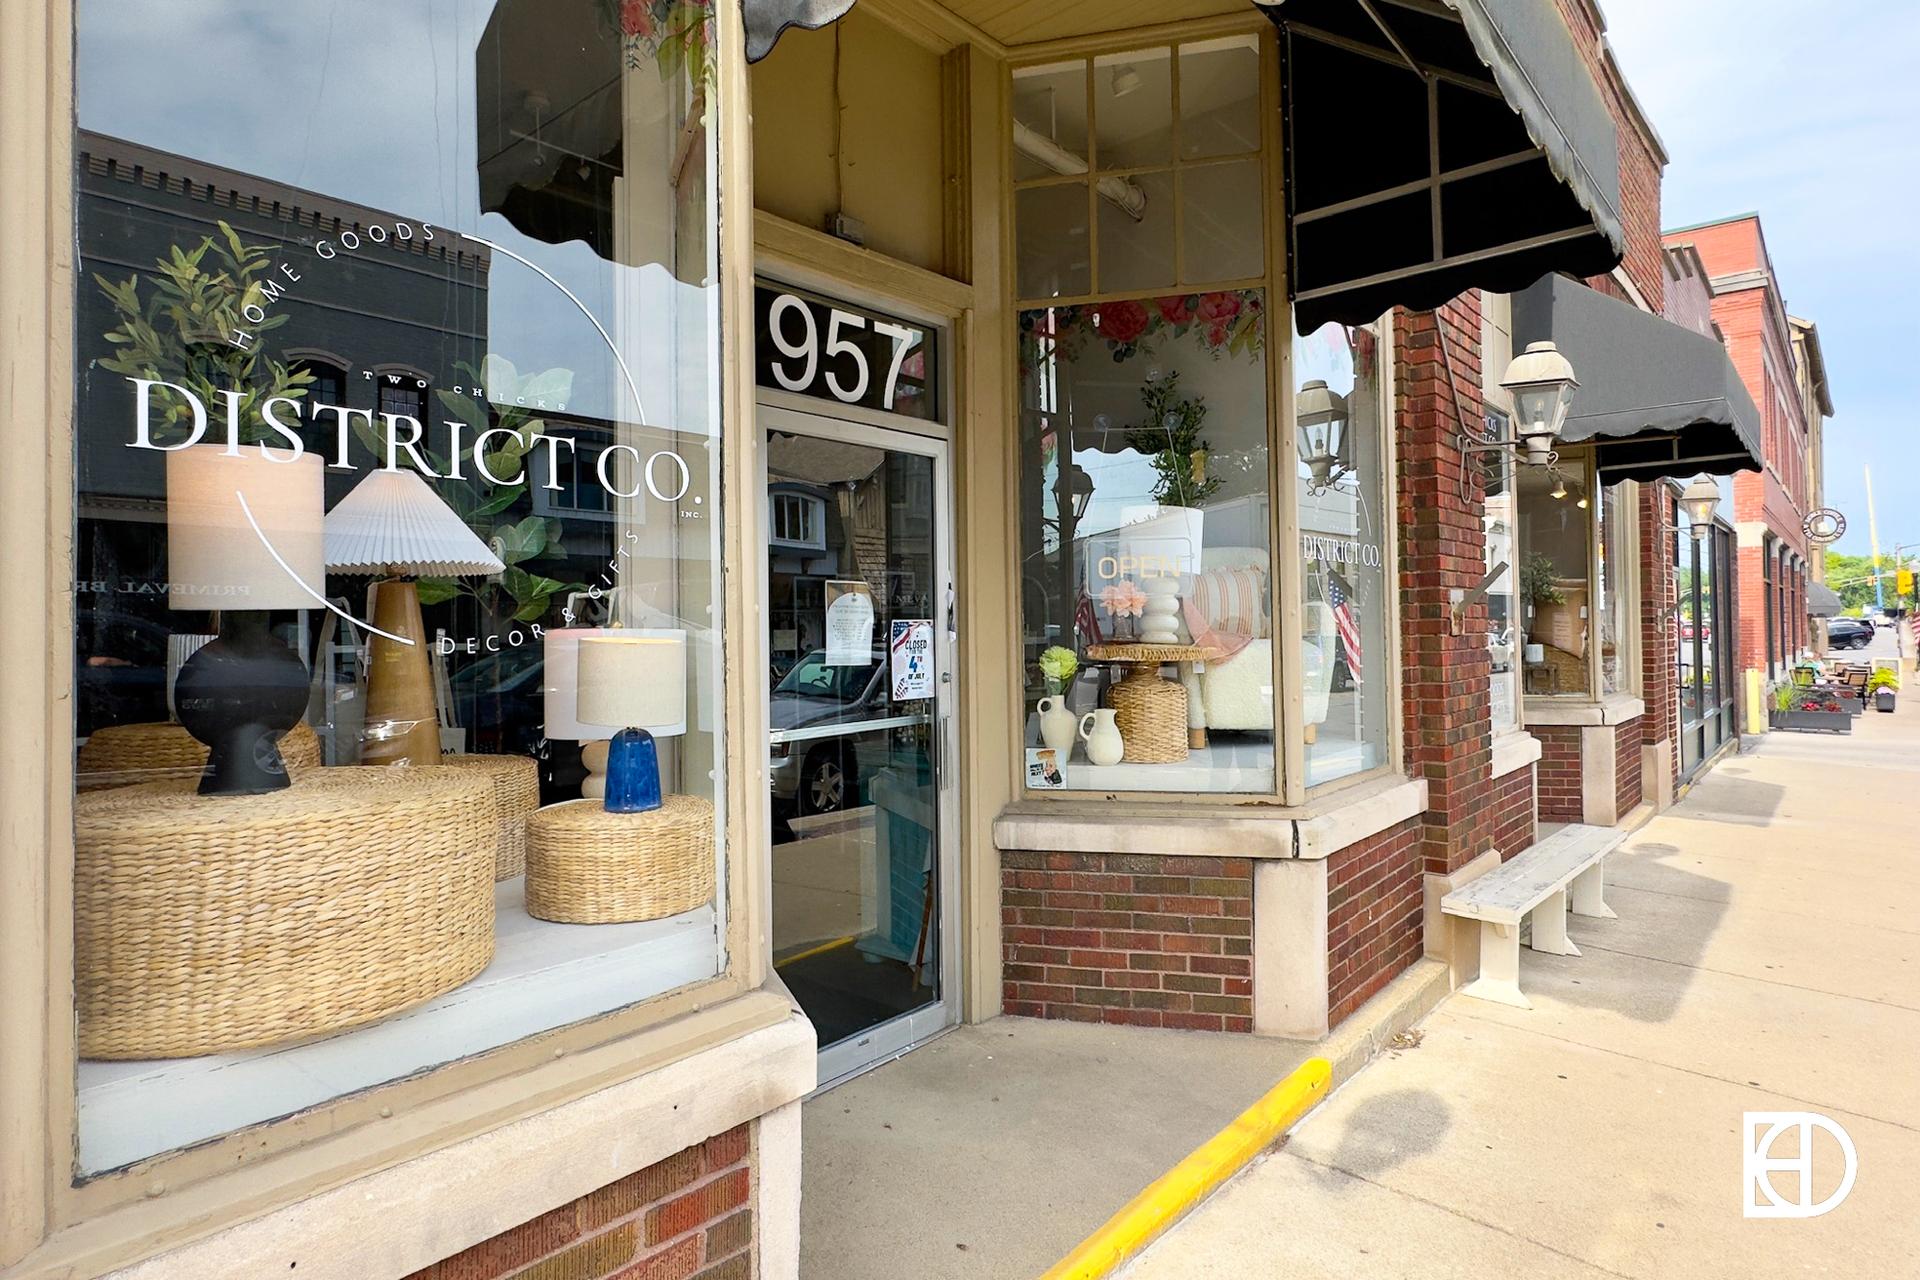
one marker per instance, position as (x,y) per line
(1321,414)
(1699,501)
(1542,385)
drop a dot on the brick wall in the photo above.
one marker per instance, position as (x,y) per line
(685,1218)
(1444,687)
(1559,772)
(1626,766)
(1658,595)
(1138,939)
(1375,915)
(1513,816)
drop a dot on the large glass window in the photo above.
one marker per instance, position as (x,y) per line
(1618,599)
(1557,594)
(1345,529)
(399,707)
(1502,554)
(1145,487)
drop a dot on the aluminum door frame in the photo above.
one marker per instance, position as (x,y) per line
(887,1041)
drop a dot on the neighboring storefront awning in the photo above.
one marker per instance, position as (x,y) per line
(1656,400)
(1822,600)
(1434,148)
(766,19)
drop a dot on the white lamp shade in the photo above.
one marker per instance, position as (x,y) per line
(215,557)
(392,522)
(635,680)
(560,684)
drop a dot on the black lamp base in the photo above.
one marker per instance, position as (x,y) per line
(238,694)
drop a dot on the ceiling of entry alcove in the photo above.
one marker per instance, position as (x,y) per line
(1015,22)
(1044,101)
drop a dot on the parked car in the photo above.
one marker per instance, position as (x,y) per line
(824,775)
(1848,633)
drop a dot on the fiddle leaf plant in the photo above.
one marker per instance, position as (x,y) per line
(180,329)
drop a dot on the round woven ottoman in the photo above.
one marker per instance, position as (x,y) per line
(119,755)
(204,924)
(516,794)
(588,866)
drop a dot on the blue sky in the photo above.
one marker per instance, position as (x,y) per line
(1810,114)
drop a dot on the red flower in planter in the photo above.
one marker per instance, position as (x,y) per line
(1122,322)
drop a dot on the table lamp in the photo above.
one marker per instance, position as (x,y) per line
(392,524)
(243,536)
(640,684)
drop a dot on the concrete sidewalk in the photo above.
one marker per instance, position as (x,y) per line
(1766,958)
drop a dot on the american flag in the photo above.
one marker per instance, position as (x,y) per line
(1341,604)
(1085,620)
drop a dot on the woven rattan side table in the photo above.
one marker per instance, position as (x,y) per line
(204,924)
(1150,710)
(118,755)
(588,866)
(516,794)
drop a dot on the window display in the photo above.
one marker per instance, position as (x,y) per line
(1503,631)
(1341,420)
(398,604)
(1619,621)
(1558,598)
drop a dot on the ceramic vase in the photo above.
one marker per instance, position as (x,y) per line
(1160,623)
(1103,739)
(1056,727)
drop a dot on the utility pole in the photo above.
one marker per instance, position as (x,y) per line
(1873,538)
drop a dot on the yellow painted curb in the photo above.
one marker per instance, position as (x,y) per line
(1177,1190)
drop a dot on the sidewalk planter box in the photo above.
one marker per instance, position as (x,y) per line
(1883,699)
(1804,720)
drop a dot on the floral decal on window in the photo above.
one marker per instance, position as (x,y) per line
(676,35)
(1224,322)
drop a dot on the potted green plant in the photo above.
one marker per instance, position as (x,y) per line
(1882,686)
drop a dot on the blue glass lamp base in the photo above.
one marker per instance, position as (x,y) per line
(633,773)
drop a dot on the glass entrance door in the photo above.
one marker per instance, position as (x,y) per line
(858,615)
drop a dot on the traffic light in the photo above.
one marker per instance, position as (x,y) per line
(1903,582)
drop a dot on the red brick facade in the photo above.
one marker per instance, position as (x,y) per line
(1658,596)
(1445,676)
(685,1218)
(1626,767)
(1374,915)
(1513,815)
(1559,773)
(1138,939)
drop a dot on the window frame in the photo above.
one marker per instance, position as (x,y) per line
(121,1216)
(1284,588)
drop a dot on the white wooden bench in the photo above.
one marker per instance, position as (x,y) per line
(1570,861)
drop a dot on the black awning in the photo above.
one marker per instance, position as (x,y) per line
(1438,147)
(766,19)
(1656,400)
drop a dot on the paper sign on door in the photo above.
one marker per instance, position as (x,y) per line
(912,650)
(849,624)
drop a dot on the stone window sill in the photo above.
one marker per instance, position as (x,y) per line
(1515,750)
(1615,708)
(1313,830)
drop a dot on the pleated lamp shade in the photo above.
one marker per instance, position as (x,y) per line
(218,558)
(393,523)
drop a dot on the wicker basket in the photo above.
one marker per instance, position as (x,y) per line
(204,924)
(1152,716)
(588,866)
(516,794)
(119,755)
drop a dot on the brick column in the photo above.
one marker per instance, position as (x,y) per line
(1445,678)
(1659,628)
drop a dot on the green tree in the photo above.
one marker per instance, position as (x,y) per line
(1851,578)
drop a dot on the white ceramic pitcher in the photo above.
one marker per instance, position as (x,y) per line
(1103,740)
(1056,727)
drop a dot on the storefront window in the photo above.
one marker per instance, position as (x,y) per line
(1557,595)
(1503,630)
(1145,492)
(1618,607)
(1341,420)
(385,656)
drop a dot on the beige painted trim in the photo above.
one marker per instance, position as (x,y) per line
(1184,31)
(933,26)
(1357,813)
(791,249)
(36,496)
(463,1194)
(1513,750)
